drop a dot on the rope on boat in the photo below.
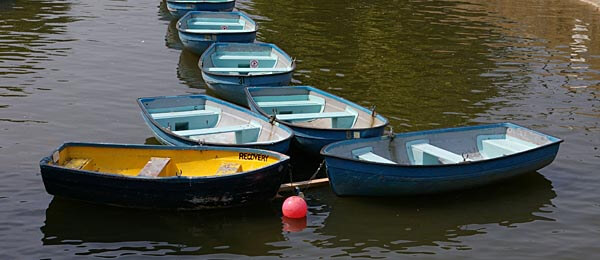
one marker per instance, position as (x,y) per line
(297,188)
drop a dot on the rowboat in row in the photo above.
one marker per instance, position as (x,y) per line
(318,118)
(163,177)
(436,160)
(204,120)
(179,8)
(198,30)
(229,68)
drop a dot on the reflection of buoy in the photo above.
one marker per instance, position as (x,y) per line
(294,207)
(293,224)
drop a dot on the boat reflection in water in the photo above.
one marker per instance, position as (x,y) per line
(172,40)
(245,230)
(407,223)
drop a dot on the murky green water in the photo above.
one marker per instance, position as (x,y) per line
(71,71)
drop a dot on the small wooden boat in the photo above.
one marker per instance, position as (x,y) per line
(198,30)
(436,160)
(179,8)
(318,118)
(228,68)
(163,177)
(204,120)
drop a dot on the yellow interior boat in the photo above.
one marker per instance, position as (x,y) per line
(160,163)
(202,175)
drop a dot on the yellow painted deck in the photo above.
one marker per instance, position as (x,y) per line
(131,161)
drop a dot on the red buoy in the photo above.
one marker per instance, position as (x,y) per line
(294,207)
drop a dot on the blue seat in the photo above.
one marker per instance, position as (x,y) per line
(366,154)
(243,133)
(181,114)
(420,152)
(492,148)
(344,119)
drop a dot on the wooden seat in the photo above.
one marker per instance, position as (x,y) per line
(229,168)
(78,163)
(154,167)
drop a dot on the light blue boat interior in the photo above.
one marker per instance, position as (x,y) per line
(310,107)
(201,119)
(440,147)
(215,22)
(245,59)
(200,1)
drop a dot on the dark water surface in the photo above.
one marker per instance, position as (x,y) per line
(71,71)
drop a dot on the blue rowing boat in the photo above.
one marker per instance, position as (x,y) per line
(436,160)
(163,177)
(198,30)
(228,68)
(318,118)
(204,120)
(179,8)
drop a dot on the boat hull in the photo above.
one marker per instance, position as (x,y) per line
(183,193)
(231,88)
(198,43)
(179,9)
(353,177)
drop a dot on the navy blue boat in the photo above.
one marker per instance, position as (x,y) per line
(179,8)
(204,120)
(228,68)
(198,30)
(163,177)
(318,118)
(436,160)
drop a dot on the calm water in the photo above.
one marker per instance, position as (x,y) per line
(71,71)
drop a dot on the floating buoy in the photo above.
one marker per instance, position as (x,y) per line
(294,207)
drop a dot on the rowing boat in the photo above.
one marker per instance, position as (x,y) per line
(318,118)
(163,177)
(228,68)
(204,120)
(198,30)
(436,161)
(179,8)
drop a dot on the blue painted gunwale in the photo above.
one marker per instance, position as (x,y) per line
(313,139)
(179,8)
(177,192)
(353,177)
(199,42)
(167,137)
(231,87)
